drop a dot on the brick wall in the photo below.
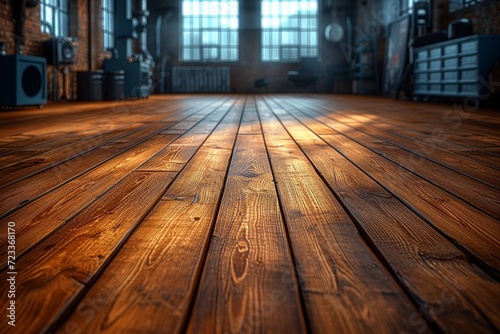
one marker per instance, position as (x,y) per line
(485,16)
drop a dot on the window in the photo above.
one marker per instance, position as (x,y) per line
(455,5)
(54,17)
(108,29)
(289,29)
(209,30)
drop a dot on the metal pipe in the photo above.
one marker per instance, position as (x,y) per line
(159,20)
(90,44)
(19,25)
(141,13)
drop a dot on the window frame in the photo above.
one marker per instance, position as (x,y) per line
(292,27)
(220,29)
(60,24)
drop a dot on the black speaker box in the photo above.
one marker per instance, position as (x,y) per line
(61,50)
(23,81)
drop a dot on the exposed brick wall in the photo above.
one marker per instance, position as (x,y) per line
(485,16)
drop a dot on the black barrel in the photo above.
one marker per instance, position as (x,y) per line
(89,85)
(114,85)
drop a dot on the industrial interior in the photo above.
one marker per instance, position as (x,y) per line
(250,166)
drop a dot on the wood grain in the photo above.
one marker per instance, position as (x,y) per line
(470,228)
(414,149)
(175,156)
(91,239)
(22,192)
(341,294)
(43,216)
(248,282)
(160,265)
(435,257)
(347,214)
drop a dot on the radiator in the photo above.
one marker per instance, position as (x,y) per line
(201,79)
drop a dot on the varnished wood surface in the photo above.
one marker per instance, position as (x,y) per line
(252,214)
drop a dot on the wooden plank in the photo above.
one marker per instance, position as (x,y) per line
(428,119)
(414,250)
(158,268)
(248,282)
(478,194)
(40,218)
(32,139)
(31,166)
(66,123)
(223,136)
(420,114)
(13,157)
(344,286)
(42,149)
(440,155)
(456,138)
(116,114)
(193,113)
(79,250)
(458,144)
(170,158)
(470,228)
(413,149)
(177,154)
(22,192)
(250,123)
(199,133)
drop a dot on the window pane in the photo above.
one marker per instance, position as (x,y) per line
(210,53)
(210,29)
(266,38)
(196,54)
(234,38)
(64,25)
(111,27)
(108,23)
(196,23)
(195,37)
(186,54)
(49,17)
(291,27)
(224,54)
(275,55)
(266,54)
(55,17)
(234,54)
(313,36)
(187,8)
(57,25)
(64,5)
(186,38)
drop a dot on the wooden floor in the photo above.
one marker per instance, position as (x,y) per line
(251,214)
